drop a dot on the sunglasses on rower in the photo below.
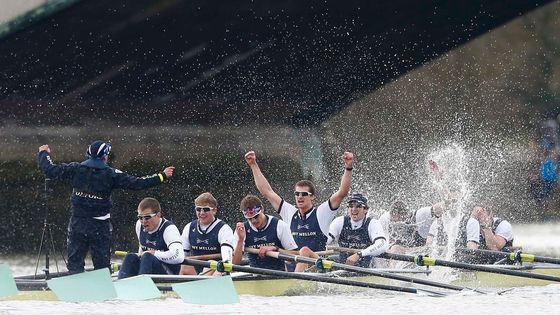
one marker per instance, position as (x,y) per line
(302,193)
(146,217)
(250,213)
(356,205)
(201,209)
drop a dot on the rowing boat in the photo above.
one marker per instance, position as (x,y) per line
(245,283)
(250,284)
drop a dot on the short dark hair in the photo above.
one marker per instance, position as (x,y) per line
(308,184)
(149,203)
(250,201)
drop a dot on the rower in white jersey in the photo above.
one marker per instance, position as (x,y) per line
(160,250)
(206,235)
(407,229)
(357,231)
(485,231)
(263,232)
(309,225)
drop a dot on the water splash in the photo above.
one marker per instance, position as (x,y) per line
(452,184)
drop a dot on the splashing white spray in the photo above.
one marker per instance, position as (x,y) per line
(452,184)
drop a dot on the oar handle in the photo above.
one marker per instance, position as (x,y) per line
(342,249)
(273,254)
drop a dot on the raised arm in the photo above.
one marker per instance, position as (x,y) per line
(51,170)
(345,182)
(261,182)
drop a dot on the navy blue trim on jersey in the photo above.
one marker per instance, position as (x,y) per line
(155,241)
(204,242)
(265,237)
(307,231)
(280,207)
(357,239)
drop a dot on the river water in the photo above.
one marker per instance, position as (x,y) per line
(541,239)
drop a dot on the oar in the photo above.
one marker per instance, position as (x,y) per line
(516,256)
(327,264)
(228,267)
(430,261)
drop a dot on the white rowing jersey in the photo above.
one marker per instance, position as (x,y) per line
(503,229)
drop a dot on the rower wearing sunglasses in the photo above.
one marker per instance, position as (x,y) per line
(309,225)
(356,230)
(207,235)
(93,182)
(160,249)
(263,232)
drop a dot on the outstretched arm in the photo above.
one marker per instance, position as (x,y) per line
(123,180)
(261,182)
(346,181)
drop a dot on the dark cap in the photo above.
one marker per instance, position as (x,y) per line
(98,149)
(358,198)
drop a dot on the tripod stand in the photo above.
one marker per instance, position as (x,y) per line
(47,240)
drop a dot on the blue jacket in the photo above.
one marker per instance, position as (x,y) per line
(93,182)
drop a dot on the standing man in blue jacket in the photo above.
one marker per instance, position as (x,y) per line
(93,181)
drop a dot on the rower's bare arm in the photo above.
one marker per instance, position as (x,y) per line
(345,182)
(493,241)
(261,182)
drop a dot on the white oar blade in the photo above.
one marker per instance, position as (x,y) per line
(7,283)
(215,291)
(137,288)
(84,287)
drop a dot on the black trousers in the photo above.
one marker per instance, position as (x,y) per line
(89,235)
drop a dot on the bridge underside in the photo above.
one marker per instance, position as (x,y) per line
(232,62)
